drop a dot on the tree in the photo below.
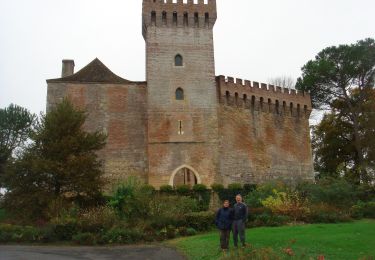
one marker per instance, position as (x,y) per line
(15,127)
(283,81)
(339,79)
(60,166)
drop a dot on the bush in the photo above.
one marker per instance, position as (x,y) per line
(200,221)
(271,220)
(166,189)
(191,232)
(183,189)
(170,210)
(17,234)
(65,232)
(363,210)
(95,220)
(216,187)
(235,186)
(122,236)
(336,192)
(325,213)
(199,188)
(249,187)
(87,239)
(288,204)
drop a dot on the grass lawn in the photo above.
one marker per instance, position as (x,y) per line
(335,241)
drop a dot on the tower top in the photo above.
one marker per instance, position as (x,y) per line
(179,13)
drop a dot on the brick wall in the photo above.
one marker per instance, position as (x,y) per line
(120,111)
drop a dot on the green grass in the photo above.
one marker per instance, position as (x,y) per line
(335,241)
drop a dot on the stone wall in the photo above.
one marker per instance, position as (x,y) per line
(181,132)
(120,111)
(261,141)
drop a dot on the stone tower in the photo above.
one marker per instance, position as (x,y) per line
(181,91)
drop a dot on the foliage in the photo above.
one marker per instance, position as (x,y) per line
(270,220)
(120,235)
(166,188)
(287,204)
(15,128)
(254,198)
(235,186)
(183,189)
(217,187)
(199,188)
(341,79)
(131,199)
(61,165)
(200,221)
(87,239)
(325,213)
(306,241)
(170,210)
(336,192)
(363,210)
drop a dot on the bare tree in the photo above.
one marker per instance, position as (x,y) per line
(283,81)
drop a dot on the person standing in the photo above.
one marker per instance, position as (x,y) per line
(224,221)
(240,218)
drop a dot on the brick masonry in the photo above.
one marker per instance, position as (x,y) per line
(224,130)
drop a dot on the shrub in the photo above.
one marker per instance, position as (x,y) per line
(65,232)
(325,213)
(87,239)
(336,192)
(183,189)
(147,189)
(200,221)
(166,189)
(95,220)
(288,204)
(249,187)
(202,195)
(271,220)
(235,186)
(199,188)
(191,232)
(170,210)
(122,236)
(216,187)
(363,210)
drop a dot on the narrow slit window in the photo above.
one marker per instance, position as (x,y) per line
(196,19)
(180,94)
(277,107)
(153,17)
(178,60)
(180,129)
(164,18)
(174,18)
(206,19)
(186,19)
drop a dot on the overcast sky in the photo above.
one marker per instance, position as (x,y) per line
(254,40)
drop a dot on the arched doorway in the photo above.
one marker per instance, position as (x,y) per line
(184,175)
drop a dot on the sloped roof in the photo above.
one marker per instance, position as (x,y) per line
(94,72)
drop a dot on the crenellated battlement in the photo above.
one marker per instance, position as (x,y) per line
(263,97)
(179,13)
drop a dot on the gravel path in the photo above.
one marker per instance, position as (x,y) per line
(84,253)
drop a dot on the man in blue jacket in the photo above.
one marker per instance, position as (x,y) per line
(240,218)
(224,220)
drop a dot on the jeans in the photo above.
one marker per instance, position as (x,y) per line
(224,238)
(238,229)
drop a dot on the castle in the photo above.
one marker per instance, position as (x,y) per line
(184,125)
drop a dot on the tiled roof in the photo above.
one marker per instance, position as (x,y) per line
(94,72)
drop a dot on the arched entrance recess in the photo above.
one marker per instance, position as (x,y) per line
(185,175)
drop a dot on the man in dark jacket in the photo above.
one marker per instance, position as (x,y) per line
(240,218)
(224,220)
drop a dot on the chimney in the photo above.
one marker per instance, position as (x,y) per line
(67,68)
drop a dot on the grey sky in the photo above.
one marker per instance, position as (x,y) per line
(254,40)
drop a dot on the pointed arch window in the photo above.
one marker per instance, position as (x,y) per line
(180,94)
(178,60)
